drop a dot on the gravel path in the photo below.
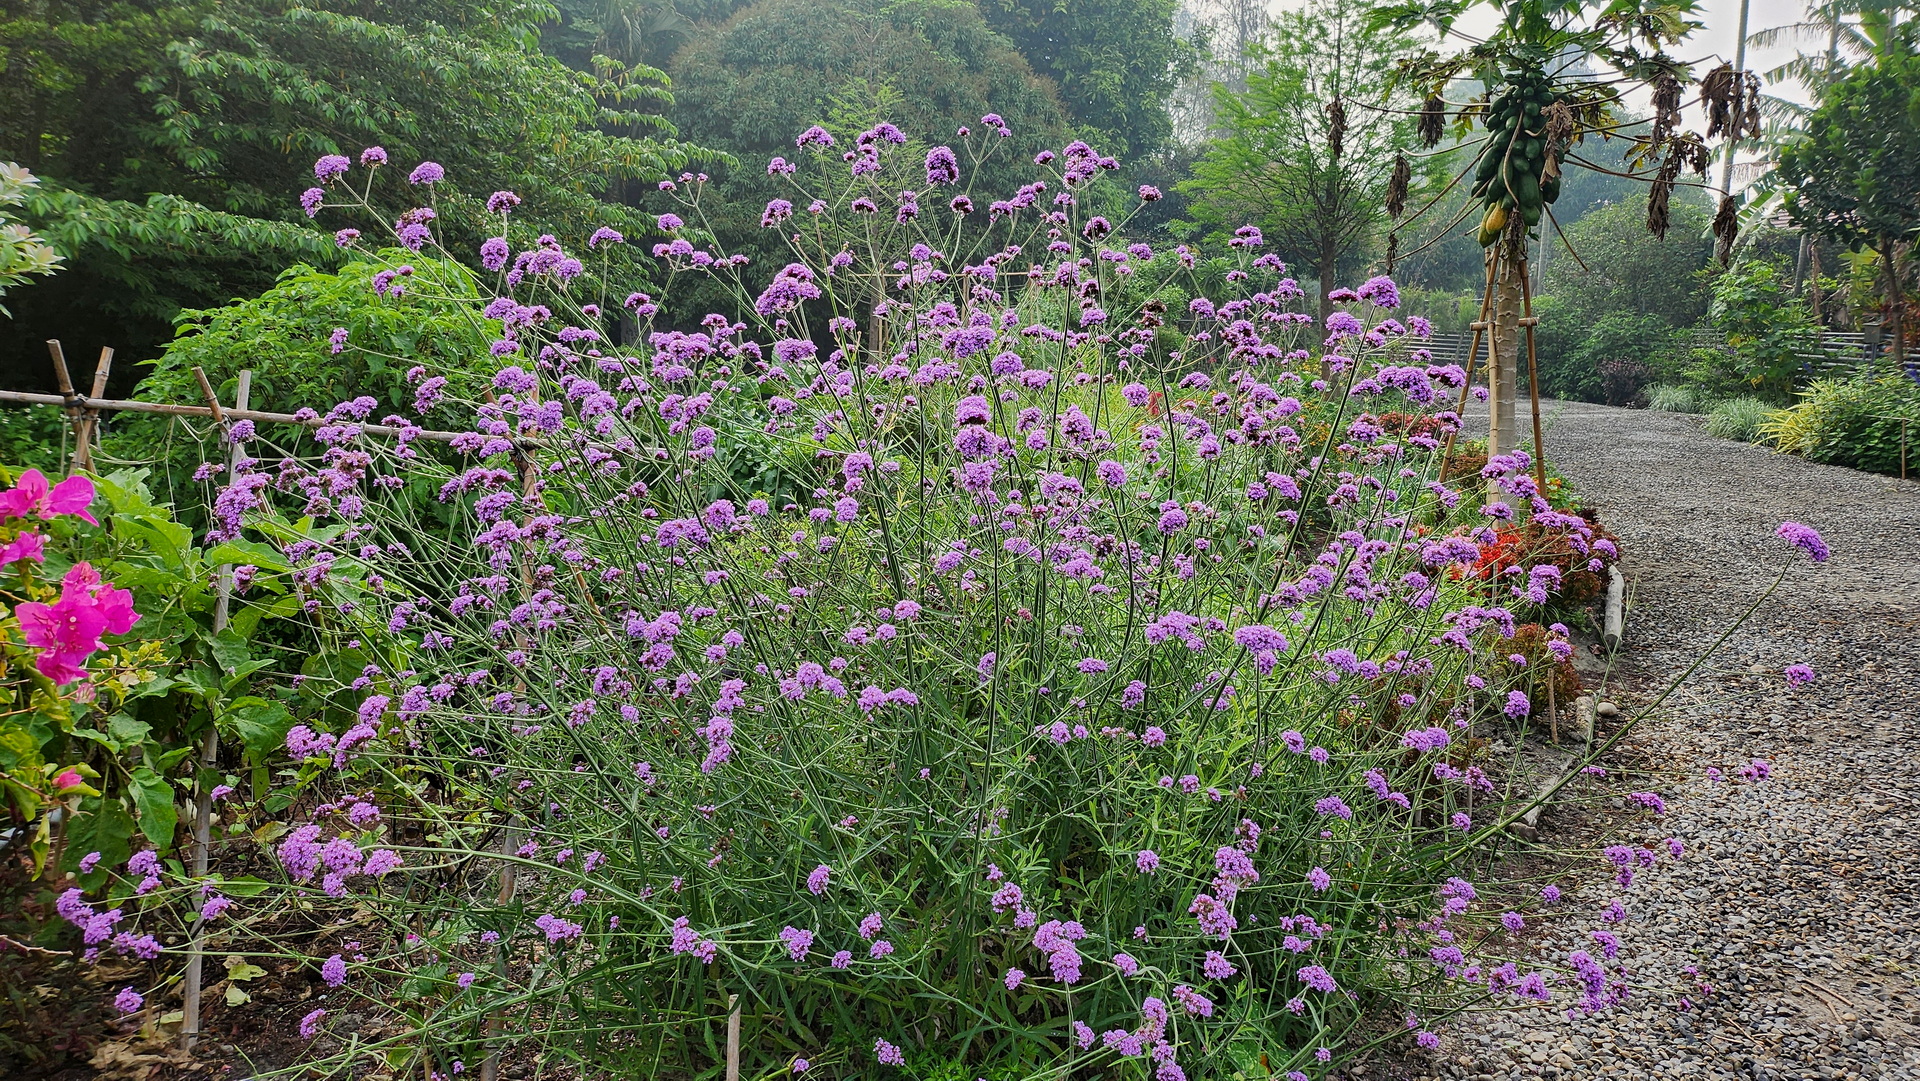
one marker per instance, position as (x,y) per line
(1798,902)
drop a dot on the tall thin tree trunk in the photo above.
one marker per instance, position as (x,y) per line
(1504,363)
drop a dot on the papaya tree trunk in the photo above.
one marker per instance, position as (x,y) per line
(1504,362)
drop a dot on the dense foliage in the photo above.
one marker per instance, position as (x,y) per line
(1869,421)
(23,255)
(1854,175)
(1116,62)
(1278,162)
(1603,333)
(169,133)
(775,66)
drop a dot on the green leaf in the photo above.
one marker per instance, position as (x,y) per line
(169,759)
(243,552)
(127,731)
(102,826)
(240,674)
(229,649)
(424,981)
(153,799)
(244,887)
(203,683)
(238,968)
(167,539)
(19,750)
(247,619)
(259,724)
(126,492)
(235,996)
(156,686)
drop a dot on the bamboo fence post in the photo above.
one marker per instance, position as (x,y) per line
(210,747)
(1553,707)
(530,494)
(88,424)
(490,1066)
(68,401)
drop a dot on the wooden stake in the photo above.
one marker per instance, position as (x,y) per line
(85,428)
(210,744)
(733,1038)
(490,1066)
(1480,327)
(67,399)
(1553,708)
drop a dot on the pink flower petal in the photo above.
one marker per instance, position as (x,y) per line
(71,496)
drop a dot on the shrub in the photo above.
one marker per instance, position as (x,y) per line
(1608,360)
(1672,398)
(1767,328)
(1738,418)
(1089,707)
(1852,422)
(111,666)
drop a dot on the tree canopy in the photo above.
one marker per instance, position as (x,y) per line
(1854,178)
(1116,62)
(1278,163)
(174,138)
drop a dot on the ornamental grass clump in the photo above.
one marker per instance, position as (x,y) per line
(1096,690)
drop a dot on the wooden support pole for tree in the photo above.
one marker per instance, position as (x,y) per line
(490,1066)
(1504,356)
(210,744)
(63,379)
(1480,327)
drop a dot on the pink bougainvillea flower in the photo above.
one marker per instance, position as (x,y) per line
(68,631)
(68,779)
(83,584)
(32,495)
(70,625)
(28,546)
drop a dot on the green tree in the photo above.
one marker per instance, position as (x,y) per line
(1116,62)
(1554,72)
(1854,178)
(1277,163)
(222,106)
(1768,329)
(755,82)
(1603,331)
(1619,259)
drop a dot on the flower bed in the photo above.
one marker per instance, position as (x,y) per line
(1070,703)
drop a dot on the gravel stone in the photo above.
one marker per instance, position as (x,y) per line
(1792,926)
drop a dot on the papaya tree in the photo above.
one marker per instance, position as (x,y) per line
(1553,74)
